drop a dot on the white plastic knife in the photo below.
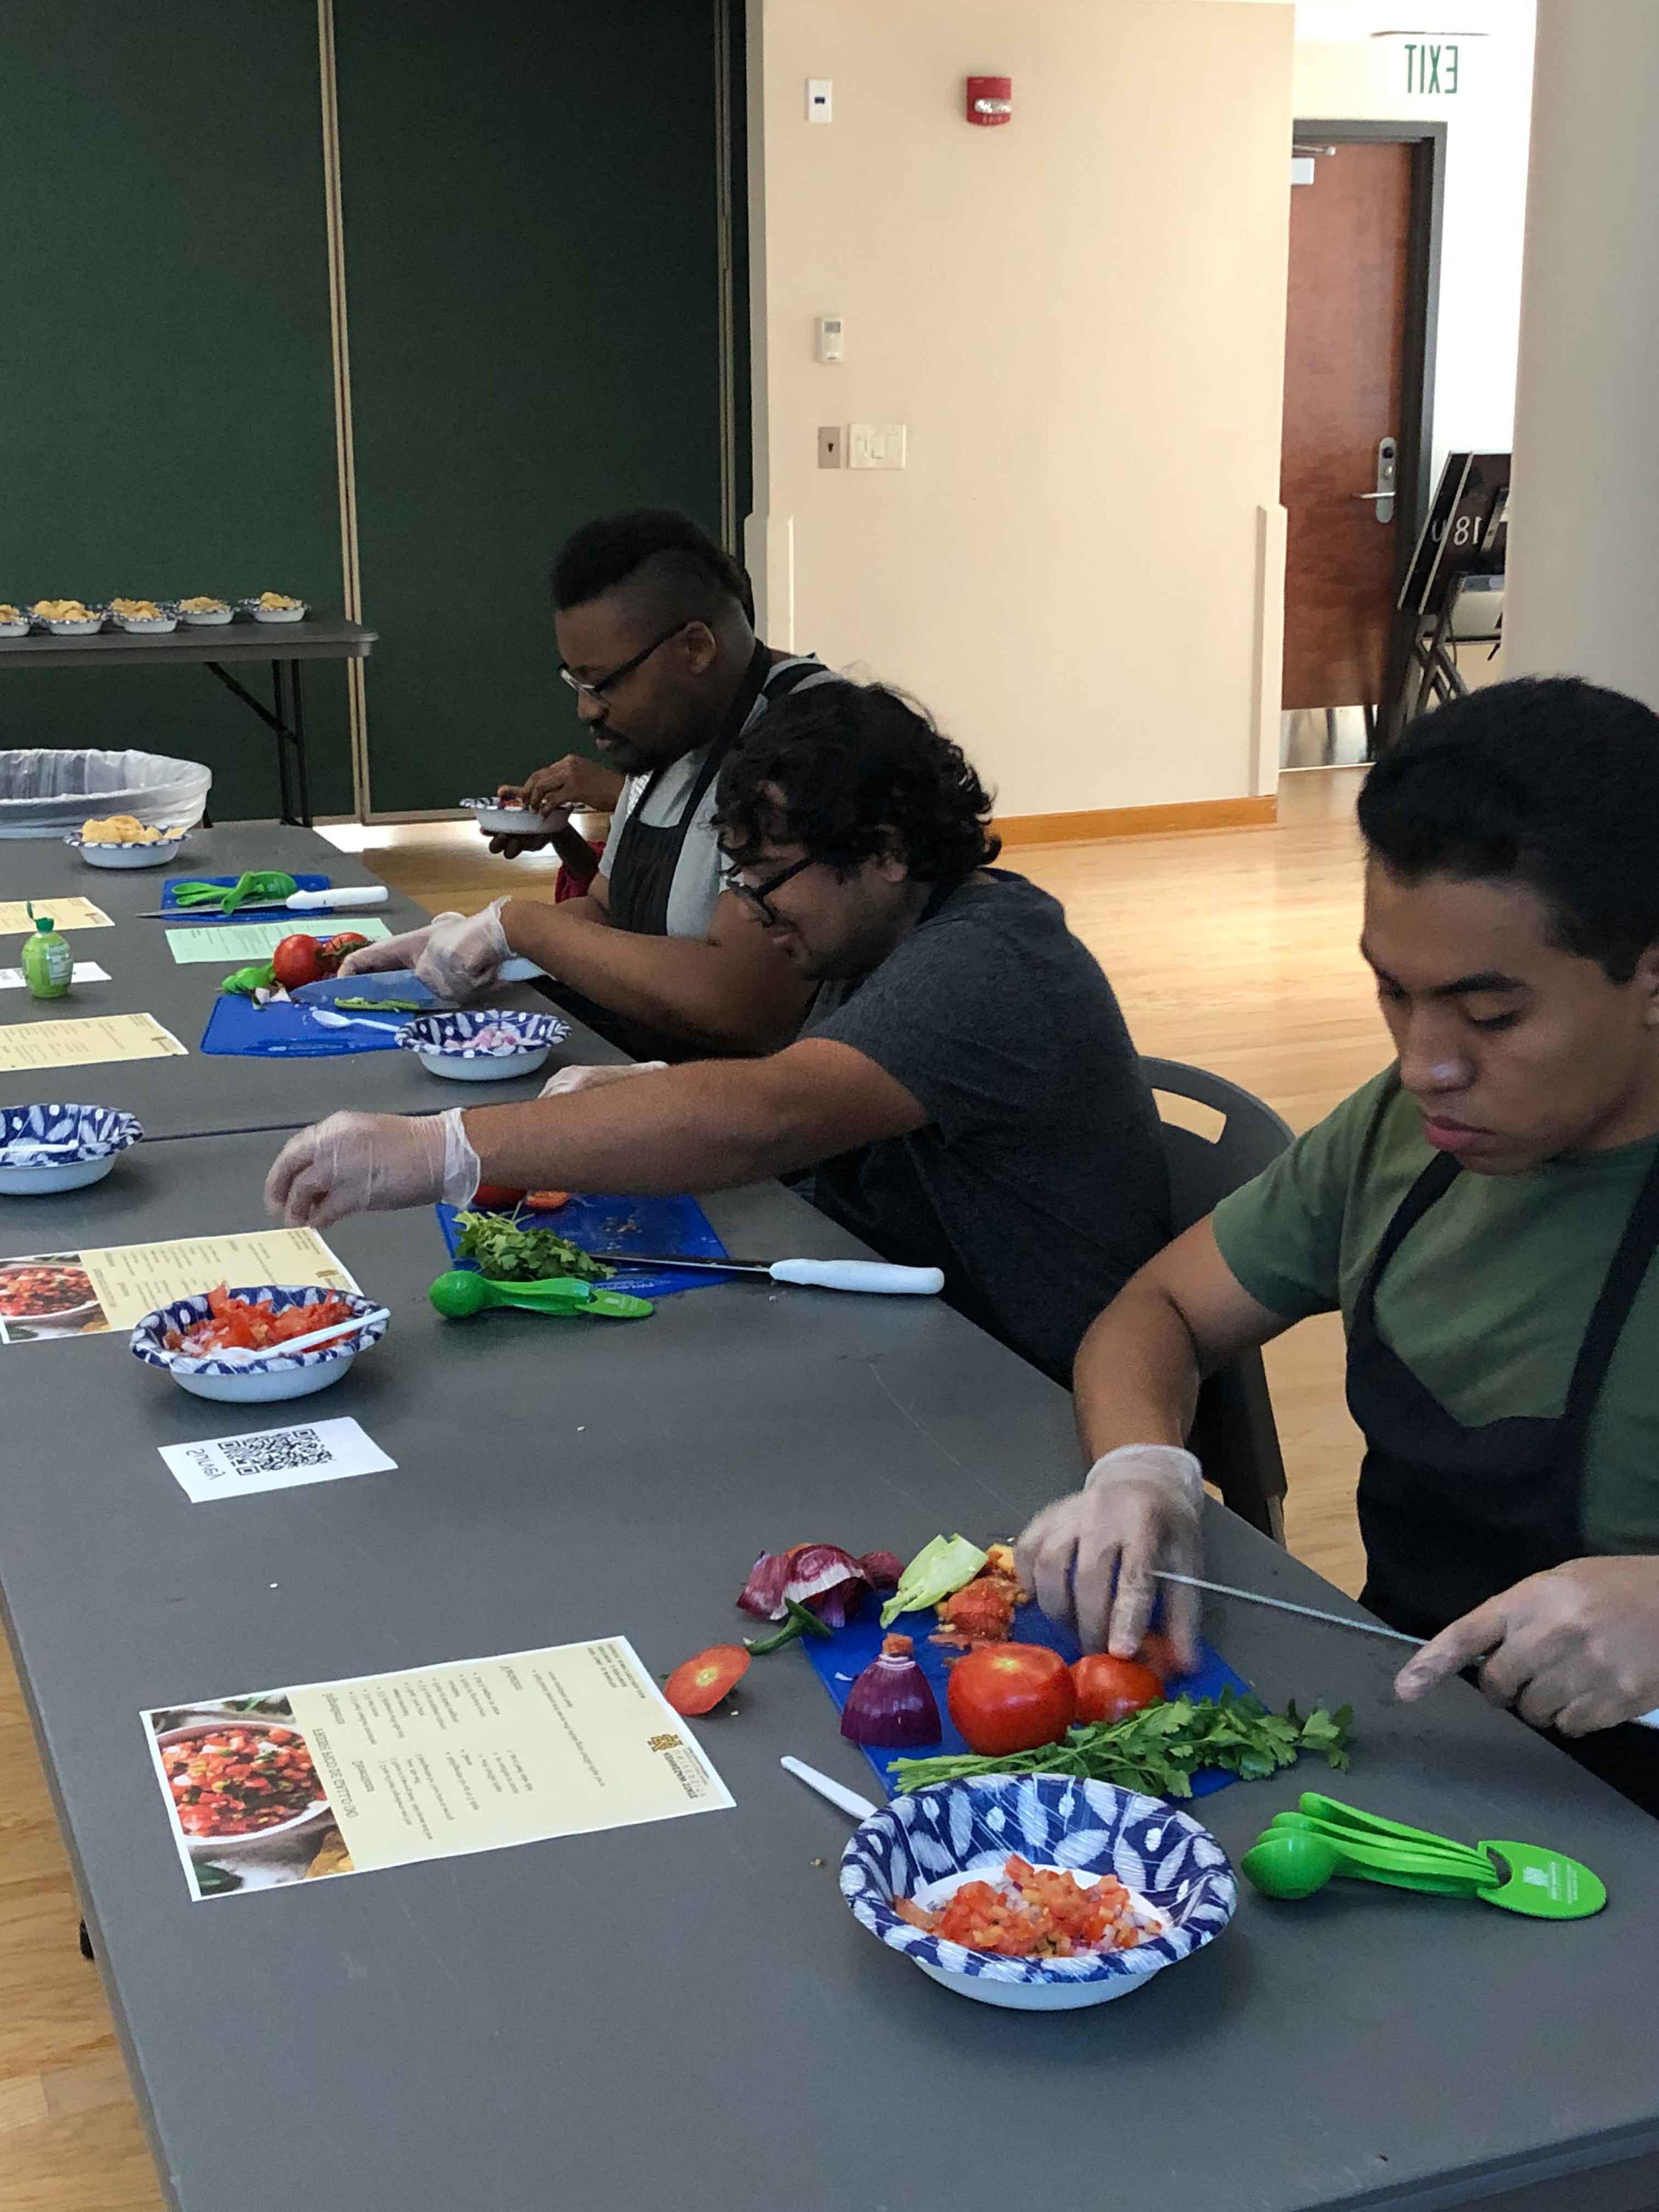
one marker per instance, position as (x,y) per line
(879,1275)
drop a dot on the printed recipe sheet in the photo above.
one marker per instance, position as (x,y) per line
(345,1777)
(66,914)
(44,1295)
(28,1047)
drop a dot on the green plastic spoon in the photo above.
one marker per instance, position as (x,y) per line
(256,883)
(458,1294)
(1289,1863)
(1544,1885)
(1455,1858)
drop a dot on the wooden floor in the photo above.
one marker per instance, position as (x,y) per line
(1232,948)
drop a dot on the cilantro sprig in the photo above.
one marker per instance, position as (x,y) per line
(1159,1749)
(507,1253)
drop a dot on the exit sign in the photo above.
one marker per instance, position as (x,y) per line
(1431,66)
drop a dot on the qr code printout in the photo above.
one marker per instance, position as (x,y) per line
(273,1452)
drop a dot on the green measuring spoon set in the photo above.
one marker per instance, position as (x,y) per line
(459,1294)
(1298,1853)
(258,884)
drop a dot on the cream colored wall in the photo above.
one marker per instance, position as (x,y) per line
(1488,121)
(1080,317)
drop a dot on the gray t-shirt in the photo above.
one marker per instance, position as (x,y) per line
(1039,1183)
(700,875)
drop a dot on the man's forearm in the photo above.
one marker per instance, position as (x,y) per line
(681,984)
(711,1125)
(1137,1373)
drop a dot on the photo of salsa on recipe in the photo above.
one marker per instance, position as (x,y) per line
(250,1809)
(47,1294)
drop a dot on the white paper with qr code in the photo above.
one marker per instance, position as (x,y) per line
(275,1459)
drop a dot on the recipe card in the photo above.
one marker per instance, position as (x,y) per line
(66,914)
(257,940)
(275,1459)
(431,1763)
(26,1048)
(47,1295)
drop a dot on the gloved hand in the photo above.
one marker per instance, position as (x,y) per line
(1089,1560)
(463,952)
(389,953)
(569,1079)
(371,1163)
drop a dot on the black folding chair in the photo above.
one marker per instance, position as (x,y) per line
(1234,1433)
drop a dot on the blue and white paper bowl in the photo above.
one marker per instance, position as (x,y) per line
(136,855)
(267,1375)
(497,820)
(49,1148)
(446,1043)
(1090,1827)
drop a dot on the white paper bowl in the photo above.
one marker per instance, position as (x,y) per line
(445,1047)
(19,628)
(127,856)
(497,821)
(267,1377)
(85,1141)
(71,629)
(1091,1828)
(214,619)
(266,1842)
(274,614)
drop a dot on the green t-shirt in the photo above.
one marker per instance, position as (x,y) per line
(1488,1298)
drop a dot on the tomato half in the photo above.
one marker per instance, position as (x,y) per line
(1110,1689)
(495,1198)
(698,1685)
(1011,1697)
(295,962)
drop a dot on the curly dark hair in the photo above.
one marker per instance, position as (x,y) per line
(847,771)
(1551,782)
(658,550)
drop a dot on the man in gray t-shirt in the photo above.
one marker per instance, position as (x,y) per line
(965,1091)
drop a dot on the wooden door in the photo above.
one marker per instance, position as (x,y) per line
(1344,371)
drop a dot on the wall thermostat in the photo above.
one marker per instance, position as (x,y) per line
(831,339)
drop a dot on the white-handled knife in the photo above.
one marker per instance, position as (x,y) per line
(879,1276)
(346,899)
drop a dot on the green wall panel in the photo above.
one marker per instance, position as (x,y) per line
(530,209)
(166,419)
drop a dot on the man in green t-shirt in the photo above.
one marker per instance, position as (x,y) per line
(1483,1215)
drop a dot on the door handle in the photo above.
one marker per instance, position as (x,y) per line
(1387,455)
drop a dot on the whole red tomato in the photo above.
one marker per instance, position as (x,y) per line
(1109,1689)
(297,961)
(1011,1697)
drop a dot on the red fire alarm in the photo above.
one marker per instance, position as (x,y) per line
(990,100)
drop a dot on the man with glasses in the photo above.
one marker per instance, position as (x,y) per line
(964,1091)
(655,631)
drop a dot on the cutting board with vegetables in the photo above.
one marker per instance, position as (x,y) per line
(625,1224)
(283,1030)
(843,1655)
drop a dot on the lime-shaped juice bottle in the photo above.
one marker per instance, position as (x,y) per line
(48,963)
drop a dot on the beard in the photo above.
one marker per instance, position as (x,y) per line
(618,751)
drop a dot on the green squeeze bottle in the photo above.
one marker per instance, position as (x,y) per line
(48,963)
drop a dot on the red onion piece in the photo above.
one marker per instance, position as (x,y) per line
(882,1570)
(891,1707)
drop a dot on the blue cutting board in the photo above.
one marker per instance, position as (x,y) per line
(283,1030)
(846,1654)
(211,913)
(630,1224)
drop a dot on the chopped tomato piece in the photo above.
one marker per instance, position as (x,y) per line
(698,1685)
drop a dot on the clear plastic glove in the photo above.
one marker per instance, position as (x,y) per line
(1089,1559)
(571,1079)
(371,1163)
(390,952)
(1576,1648)
(463,952)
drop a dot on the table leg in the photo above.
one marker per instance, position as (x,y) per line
(280,724)
(302,757)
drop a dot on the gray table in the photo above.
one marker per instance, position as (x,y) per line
(685,2014)
(209,1092)
(286,646)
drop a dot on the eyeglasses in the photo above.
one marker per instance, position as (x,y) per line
(601,684)
(759,895)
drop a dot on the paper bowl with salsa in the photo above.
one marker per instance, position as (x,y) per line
(241,1787)
(1086,1890)
(228,1344)
(485,1046)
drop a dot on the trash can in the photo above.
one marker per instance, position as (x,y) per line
(46,792)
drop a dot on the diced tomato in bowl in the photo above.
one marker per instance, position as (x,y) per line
(231,1344)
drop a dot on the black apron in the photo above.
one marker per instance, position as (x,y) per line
(1451,1515)
(642,873)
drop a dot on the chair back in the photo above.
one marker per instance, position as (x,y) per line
(1234,1433)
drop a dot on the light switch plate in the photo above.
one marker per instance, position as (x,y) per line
(832,445)
(876,445)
